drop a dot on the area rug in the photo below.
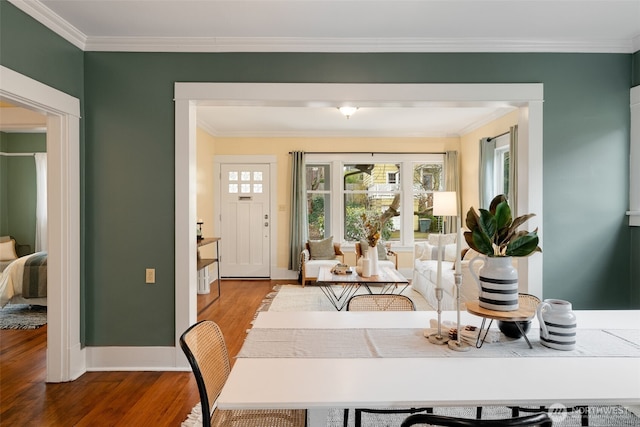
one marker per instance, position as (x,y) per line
(599,416)
(22,316)
(311,298)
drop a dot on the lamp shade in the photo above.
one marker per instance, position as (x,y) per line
(445,203)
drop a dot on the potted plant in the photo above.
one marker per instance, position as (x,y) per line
(493,233)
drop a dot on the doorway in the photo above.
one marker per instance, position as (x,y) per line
(527,97)
(65,357)
(245,220)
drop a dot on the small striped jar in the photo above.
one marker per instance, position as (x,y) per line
(557,324)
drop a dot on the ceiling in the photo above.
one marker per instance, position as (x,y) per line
(611,26)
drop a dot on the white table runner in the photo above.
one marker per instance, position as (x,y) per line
(411,343)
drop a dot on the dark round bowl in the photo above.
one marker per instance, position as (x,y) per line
(511,330)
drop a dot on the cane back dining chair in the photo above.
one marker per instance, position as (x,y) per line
(380,302)
(537,420)
(204,346)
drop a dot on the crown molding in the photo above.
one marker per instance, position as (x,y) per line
(64,29)
(53,21)
(355,45)
(635,44)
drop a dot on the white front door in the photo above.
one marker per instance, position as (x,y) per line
(245,220)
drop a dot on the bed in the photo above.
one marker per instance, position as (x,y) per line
(23,279)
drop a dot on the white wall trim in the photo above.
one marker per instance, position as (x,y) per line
(41,13)
(52,21)
(634,158)
(356,45)
(527,97)
(65,358)
(133,359)
(186,277)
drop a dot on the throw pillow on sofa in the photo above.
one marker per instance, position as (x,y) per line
(382,250)
(321,249)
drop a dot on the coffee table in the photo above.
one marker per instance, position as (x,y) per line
(339,288)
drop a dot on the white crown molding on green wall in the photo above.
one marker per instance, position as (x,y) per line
(63,28)
(354,45)
(52,21)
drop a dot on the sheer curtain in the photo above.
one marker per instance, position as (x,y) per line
(452,183)
(487,154)
(41,201)
(298,225)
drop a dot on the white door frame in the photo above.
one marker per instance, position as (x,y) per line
(528,97)
(273,197)
(66,359)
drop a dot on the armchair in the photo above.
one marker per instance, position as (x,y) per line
(311,266)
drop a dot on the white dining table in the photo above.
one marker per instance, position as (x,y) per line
(319,384)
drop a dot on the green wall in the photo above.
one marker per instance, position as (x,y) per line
(128,167)
(18,186)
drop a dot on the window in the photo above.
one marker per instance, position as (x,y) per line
(318,200)
(427,178)
(340,191)
(368,192)
(501,170)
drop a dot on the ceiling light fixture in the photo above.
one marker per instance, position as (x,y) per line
(347,111)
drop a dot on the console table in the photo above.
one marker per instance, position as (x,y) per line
(204,280)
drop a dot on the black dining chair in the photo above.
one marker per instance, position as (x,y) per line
(204,346)
(541,419)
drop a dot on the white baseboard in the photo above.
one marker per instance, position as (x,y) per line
(283,274)
(134,359)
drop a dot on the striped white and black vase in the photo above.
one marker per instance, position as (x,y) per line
(557,324)
(498,283)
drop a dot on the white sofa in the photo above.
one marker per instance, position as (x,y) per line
(425,272)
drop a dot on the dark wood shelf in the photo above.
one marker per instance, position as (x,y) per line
(207,240)
(204,262)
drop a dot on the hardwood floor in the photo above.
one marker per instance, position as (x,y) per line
(115,398)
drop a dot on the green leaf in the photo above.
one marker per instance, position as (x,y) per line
(481,242)
(472,219)
(468,237)
(495,202)
(487,224)
(503,221)
(523,244)
(503,215)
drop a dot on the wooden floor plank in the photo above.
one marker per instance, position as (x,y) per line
(115,398)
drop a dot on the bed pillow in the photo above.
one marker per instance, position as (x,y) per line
(8,251)
(322,249)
